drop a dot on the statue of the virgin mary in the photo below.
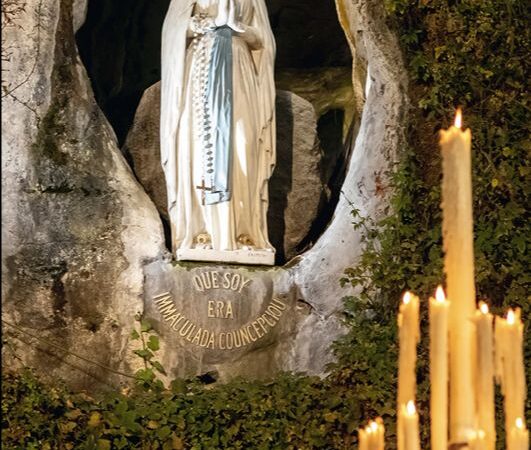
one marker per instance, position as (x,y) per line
(218,128)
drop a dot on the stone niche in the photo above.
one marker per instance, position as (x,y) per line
(316,106)
(83,205)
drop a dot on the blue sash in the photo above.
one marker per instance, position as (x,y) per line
(219,110)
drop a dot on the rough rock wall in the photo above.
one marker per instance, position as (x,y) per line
(380,135)
(78,231)
(76,226)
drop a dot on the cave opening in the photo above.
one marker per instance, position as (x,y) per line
(120,48)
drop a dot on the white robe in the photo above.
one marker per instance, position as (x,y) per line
(253,128)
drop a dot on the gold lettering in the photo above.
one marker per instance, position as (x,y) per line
(249,329)
(229,313)
(204,338)
(261,322)
(235,283)
(159,297)
(211,309)
(186,327)
(168,310)
(245,336)
(173,318)
(211,341)
(198,284)
(244,283)
(189,335)
(197,338)
(268,320)
(164,301)
(221,341)
(230,342)
(255,326)
(226,280)
(174,326)
(215,283)
(206,280)
(271,310)
(219,309)
(237,339)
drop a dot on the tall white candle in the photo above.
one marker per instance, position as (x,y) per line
(459,268)
(409,335)
(477,440)
(518,436)
(439,370)
(372,436)
(410,421)
(363,439)
(485,375)
(378,434)
(509,366)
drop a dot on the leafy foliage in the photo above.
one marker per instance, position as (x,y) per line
(468,53)
(475,55)
(147,377)
(289,413)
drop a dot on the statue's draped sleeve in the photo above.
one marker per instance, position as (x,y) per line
(173,56)
(264,59)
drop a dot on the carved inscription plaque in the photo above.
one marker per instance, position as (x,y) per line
(217,309)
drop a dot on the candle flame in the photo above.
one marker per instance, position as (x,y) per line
(510,317)
(410,408)
(483,307)
(519,423)
(477,434)
(439,295)
(407,298)
(458,118)
(374,426)
(368,429)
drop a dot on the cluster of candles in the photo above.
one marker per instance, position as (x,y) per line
(469,350)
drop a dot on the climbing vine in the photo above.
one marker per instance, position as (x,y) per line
(467,53)
(458,53)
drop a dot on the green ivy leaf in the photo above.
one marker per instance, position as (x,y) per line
(158,366)
(145,326)
(104,444)
(153,343)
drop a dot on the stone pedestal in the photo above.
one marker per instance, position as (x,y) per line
(255,257)
(230,319)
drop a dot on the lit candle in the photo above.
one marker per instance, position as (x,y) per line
(372,437)
(518,436)
(477,440)
(363,439)
(485,375)
(459,268)
(409,334)
(439,370)
(377,434)
(410,421)
(509,366)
